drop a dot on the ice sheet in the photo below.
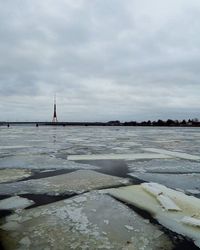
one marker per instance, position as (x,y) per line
(78,223)
(14,203)
(14,147)
(191,221)
(190,207)
(43,161)
(117,156)
(13,174)
(173,153)
(165,166)
(185,182)
(75,182)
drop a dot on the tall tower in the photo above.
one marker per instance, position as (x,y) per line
(54,111)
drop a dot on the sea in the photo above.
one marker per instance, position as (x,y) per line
(169,156)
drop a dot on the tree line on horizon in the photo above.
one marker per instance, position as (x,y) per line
(169,122)
(159,122)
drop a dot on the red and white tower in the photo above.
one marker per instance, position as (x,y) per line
(54,111)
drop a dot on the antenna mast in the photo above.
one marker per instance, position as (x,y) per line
(54,111)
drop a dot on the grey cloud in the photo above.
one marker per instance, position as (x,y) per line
(104,59)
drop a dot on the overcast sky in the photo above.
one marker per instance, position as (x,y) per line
(104,59)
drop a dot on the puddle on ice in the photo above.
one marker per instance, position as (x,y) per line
(89,221)
(75,182)
(7,175)
(147,197)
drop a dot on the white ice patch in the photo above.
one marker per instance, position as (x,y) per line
(38,161)
(151,189)
(186,182)
(193,191)
(14,147)
(80,199)
(132,156)
(174,154)
(167,203)
(14,203)
(77,228)
(75,182)
(25,241)
(191,221)
(128,227)
(106,222)
(173,220)
(13,174)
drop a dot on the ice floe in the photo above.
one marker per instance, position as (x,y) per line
(165,166)
(191,221)
(184,220)
(167,203)
(15,147)
(40,161)
(69,224)
(132,156)
(13,174)
(193,191)
(164,200)
(173,153)
(75,182)
(186,182)
(14,203)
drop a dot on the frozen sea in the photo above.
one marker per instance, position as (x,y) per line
(30,155)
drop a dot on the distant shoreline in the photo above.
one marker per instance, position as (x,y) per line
(159,123)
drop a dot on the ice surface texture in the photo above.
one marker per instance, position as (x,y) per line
(14,203)
(174,220)
(75,182)
(13,174)
(88,221)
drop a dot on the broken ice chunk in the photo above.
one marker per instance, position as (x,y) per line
(193,191)
(7,175)
(15,202)
(133,156)
(75,182)
(25,241)
(180,155)
(167,203)
(191,221)
(106,222)
(153,190)
(78,228)
(11,226)
(190,206)
(128,227)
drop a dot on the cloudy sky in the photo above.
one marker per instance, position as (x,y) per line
(104,59)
